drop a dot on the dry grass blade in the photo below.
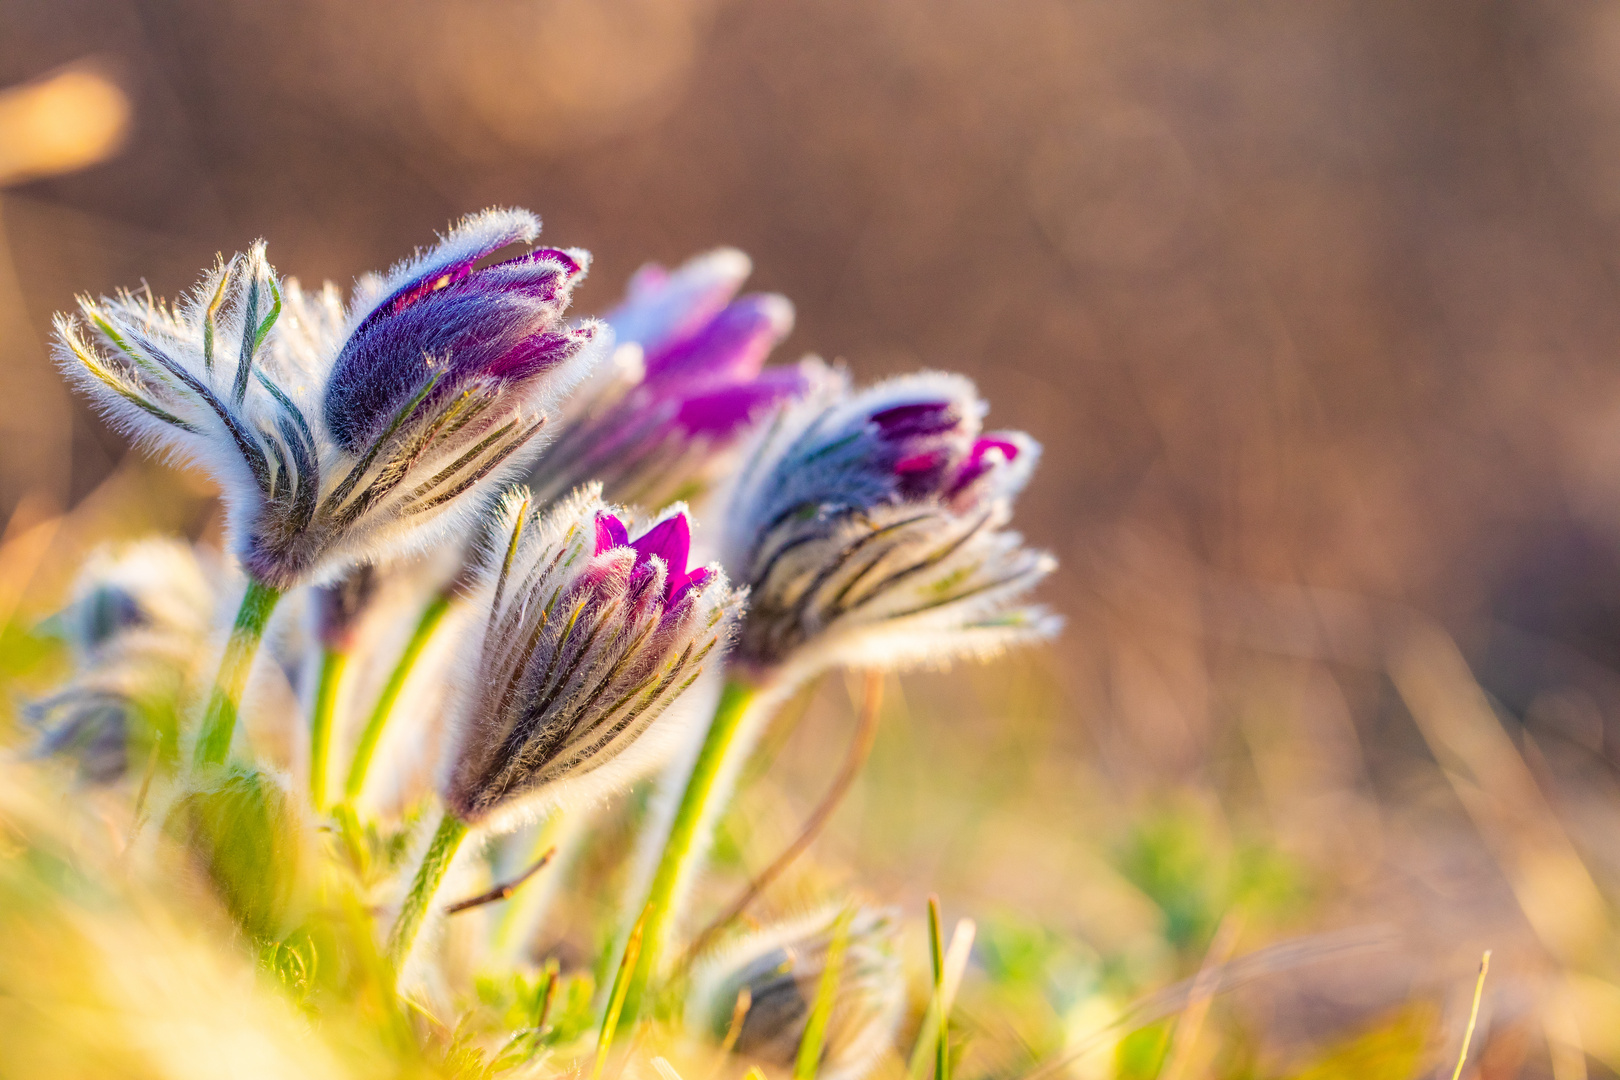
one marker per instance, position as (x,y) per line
(1473,1015)
(1205,983)
(1484,767)
(1283,956)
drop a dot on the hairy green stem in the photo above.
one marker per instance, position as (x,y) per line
(219,722)
(437,860)
(333,661)
(367,746)
(686,846)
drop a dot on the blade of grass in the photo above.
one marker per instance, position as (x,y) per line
(815,1029)
(936,958)
(1473,1015)
(939,1006)
(621,988)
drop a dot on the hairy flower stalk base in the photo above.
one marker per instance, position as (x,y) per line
(590,637)
(219,722)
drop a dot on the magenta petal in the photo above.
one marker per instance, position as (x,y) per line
(917,418)
(670,540)
(975,466)
(694,580)
(732,345)
(720,412)
(610,533)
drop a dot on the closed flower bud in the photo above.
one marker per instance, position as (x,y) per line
(339,437)
(772,977)
(137,623)
(870,529)
(688,379)
(590,636)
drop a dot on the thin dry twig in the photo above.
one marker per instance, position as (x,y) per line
(860,748)
(503,890)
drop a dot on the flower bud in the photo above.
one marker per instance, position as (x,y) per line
(138,621)
(773,975)
(869,528)
(590,636)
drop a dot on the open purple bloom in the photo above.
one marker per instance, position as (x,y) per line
(664,427)
(591,635)
(869,528)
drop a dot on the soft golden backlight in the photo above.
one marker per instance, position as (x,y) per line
(66,121)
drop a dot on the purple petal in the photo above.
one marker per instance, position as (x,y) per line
(721,412)
(610,533)
(918,418)
(670,540)
(661,306)
(733,344)
(495,323)
(976,464)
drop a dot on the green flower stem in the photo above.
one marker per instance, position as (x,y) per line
(219,722)
(333,661)
(437,860)
(367,746)
(684,850)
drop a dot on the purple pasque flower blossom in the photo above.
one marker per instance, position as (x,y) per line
(340,436)
(870,530)
(590,636)
(689,378)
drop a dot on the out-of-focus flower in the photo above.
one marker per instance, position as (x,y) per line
(776,972)
(338,438)
(663,421)
(870,529)
(590,636)
(137,624)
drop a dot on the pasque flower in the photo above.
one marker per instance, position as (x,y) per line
(660,423)
(337,437)
(340,437)
(139,615)
(870,529)
(590,636)
(772,976)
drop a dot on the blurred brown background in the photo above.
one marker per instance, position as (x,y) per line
(1313,305)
